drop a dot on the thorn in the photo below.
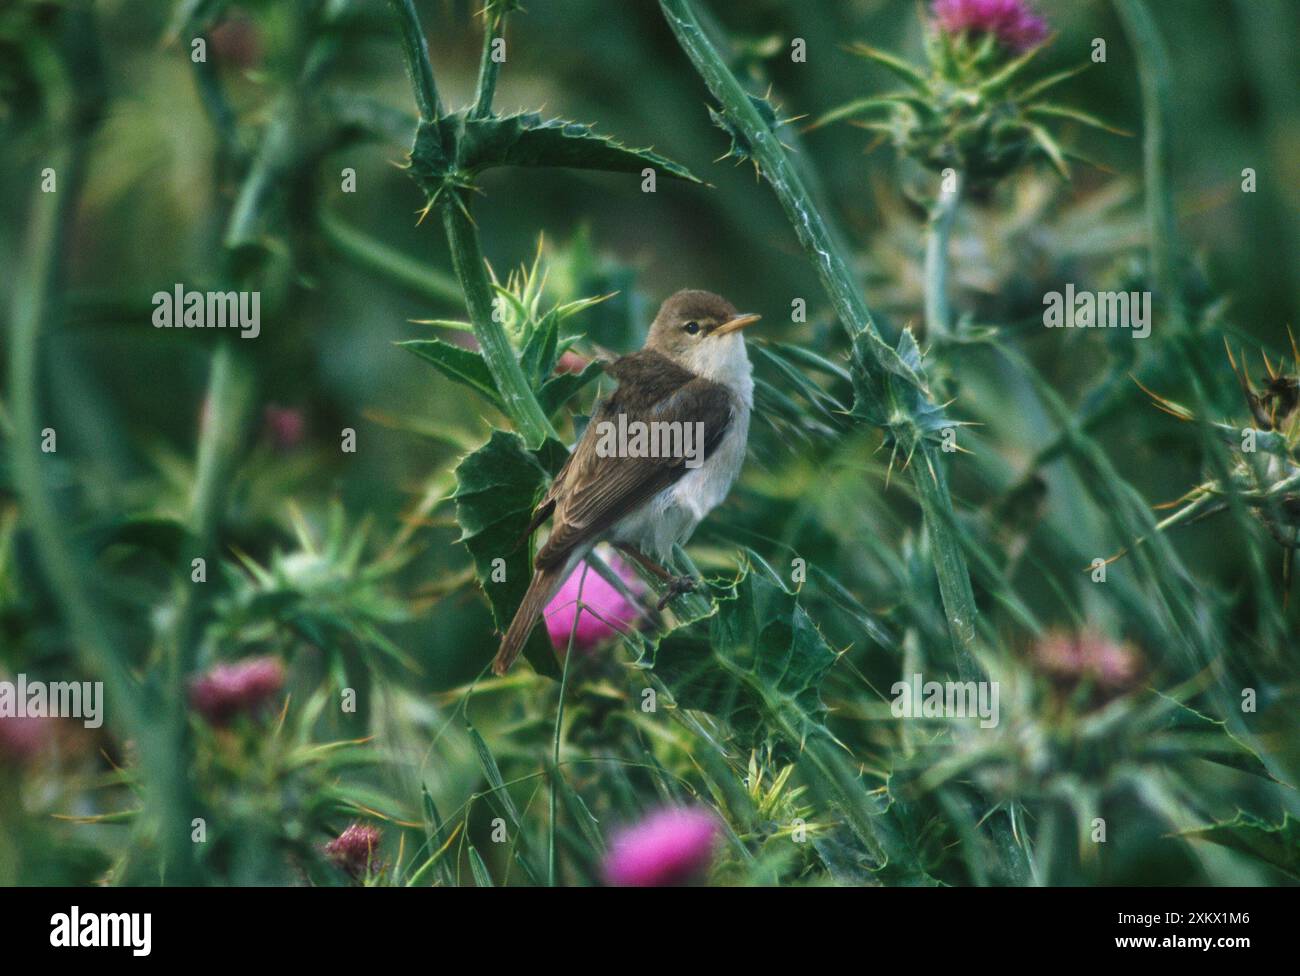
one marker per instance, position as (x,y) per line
(909,458)
(1267,365)
(1115,558)
(1163,403)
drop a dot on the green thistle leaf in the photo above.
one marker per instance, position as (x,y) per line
(1000,79)
(892,63)
(557,390)
(1050,81)
(757,661)
(465,366)
(496,489)
(1210,739)
(1051,149)
(1275,844)
(530,140)
(860,106)
(1075,115)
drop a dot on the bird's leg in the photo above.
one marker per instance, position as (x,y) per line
(677,585)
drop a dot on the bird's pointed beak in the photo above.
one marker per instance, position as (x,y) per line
(736,324)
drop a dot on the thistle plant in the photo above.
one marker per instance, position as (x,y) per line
(451,149)
(533,338)
(968,113)
(1090,736)
(969,107)
(1265,476)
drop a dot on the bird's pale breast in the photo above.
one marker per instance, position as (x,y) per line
(670,517)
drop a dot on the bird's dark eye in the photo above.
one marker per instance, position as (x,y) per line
(691,328)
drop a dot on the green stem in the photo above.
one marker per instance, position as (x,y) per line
(938,313)
(488,69)
(225,404)
(220,115)
(275,159)
(418,66)
(559,731)
(375,255)
(160,739)
(1153,79)
(950,564)
(879,361)
(467,255)
(467,258)
(61,566)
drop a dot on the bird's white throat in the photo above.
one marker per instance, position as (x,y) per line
(723,359)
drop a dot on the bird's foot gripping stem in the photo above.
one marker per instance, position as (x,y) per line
(677,585)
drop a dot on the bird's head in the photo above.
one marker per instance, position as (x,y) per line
(700,331)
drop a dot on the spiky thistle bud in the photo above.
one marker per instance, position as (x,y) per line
(355,851)
(1266,475)
(967,109)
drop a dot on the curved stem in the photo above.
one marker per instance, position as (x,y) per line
(60,564)
(161,739)
(1153,78)
(881,364)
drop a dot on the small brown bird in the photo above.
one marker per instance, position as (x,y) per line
(657,456)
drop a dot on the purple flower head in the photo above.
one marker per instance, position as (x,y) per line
(1012,22)
(672,846)
(22,739)
(607,611)
(241,688)
(1112,665)
(355,850)
(285,426)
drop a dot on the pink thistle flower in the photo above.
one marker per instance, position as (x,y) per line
(1012,22)
(237,41)
(244,687)
(1114,666)
(354,850)
(285,426)
(673,846)
(606,612)
(23,739)
(571,362)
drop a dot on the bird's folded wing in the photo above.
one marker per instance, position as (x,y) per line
(593,492)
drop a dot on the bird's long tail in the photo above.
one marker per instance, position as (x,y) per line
(545,584)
